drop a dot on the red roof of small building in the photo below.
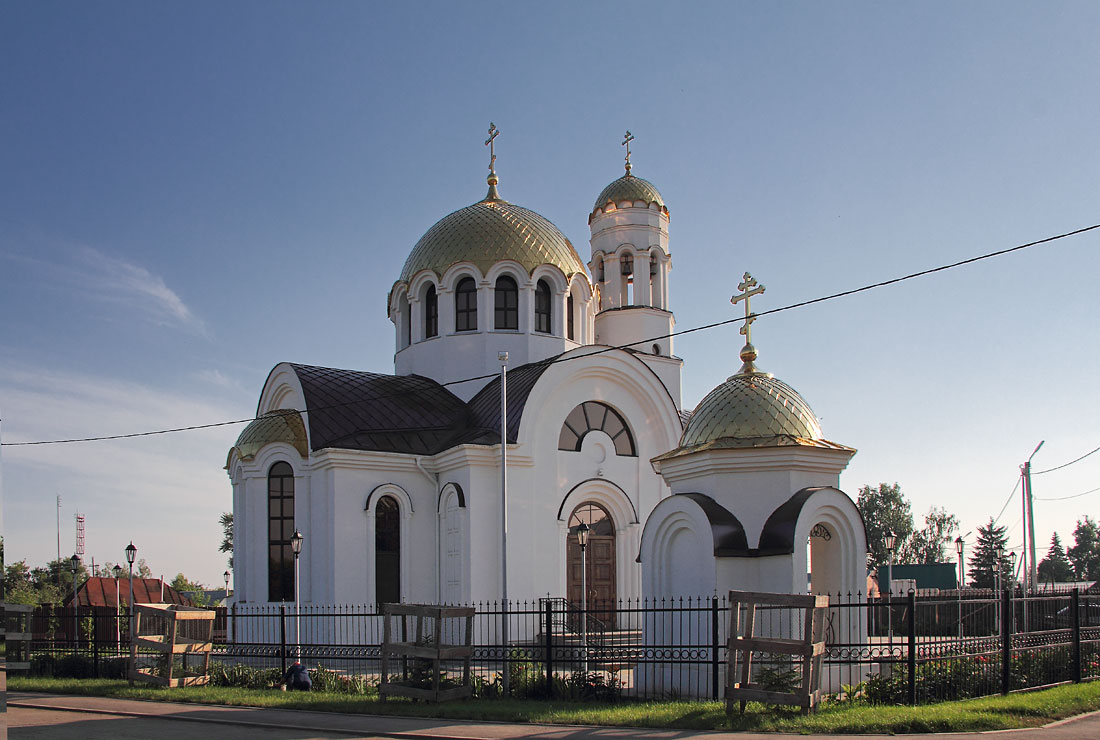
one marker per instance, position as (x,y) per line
(100,591)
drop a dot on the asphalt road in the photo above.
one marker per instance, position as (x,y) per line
(48,724)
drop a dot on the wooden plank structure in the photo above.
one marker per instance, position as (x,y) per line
(808,648)
(16,630)
(427,645)
(170,630)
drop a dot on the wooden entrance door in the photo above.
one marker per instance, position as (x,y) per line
(599,560)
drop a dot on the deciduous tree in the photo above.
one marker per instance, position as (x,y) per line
(884,509)
(226,520)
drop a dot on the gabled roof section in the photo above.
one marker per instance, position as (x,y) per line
(485,406)
(100,591)
(348,409)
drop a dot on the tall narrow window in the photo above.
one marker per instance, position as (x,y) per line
(406,323)
(466,305)
(569,317)
(542,307)
(506,303)
(387,551)
(431,313)
(280,527)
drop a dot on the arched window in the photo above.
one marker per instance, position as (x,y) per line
(596,416)
(570,332)
(387,551)
(431,313)
(599,270)
(280,527)
(406,321)
(507,303)
(542,307)
(466,305)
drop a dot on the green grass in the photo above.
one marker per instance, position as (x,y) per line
(992,713)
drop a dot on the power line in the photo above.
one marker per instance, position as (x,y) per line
(822,299)
(1066,465)
(1067,498)
(1007,501)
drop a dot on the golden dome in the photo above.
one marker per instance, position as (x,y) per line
(751,409)
(630,188)
(282,425)
(486,233)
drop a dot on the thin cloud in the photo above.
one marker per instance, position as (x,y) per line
(116,279)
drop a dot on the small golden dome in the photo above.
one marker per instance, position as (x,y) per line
(487,232)
(630,188)
(752,406)
(282,425)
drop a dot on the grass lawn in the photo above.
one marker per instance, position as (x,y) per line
(991,713)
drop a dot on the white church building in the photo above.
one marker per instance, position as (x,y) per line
(394,481)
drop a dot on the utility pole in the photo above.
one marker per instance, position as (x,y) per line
(1029,512)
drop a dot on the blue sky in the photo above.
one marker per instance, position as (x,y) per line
(195,192)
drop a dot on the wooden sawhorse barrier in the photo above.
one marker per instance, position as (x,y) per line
(809,647)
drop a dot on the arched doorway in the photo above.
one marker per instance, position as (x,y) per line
(599,562)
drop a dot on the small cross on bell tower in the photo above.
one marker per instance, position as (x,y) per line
(748,287)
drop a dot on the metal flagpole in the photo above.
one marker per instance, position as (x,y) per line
(502,357)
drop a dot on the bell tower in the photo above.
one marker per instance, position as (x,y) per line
(630,266)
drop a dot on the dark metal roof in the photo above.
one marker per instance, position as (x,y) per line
(777,537)
(354,410)
(728,533)
(485,406)
(100,591)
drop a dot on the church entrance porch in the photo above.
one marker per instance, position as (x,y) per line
(599,564)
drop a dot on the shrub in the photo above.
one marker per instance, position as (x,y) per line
(244,677)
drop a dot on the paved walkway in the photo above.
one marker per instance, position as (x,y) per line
(90,718)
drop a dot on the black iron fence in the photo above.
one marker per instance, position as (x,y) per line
(916,648)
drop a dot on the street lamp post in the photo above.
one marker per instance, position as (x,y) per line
(1011,588)
(999,553)
(890,541)
(582,539)
(131,555)
(118,613)
(960,545)
(228,626)
(296,545)
(74,564)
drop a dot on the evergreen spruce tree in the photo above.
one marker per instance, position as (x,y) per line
(983,558)
(1055,566)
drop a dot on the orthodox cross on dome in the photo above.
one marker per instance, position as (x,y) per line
(748,287)
(494,132)
(626,142)
(492,178)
